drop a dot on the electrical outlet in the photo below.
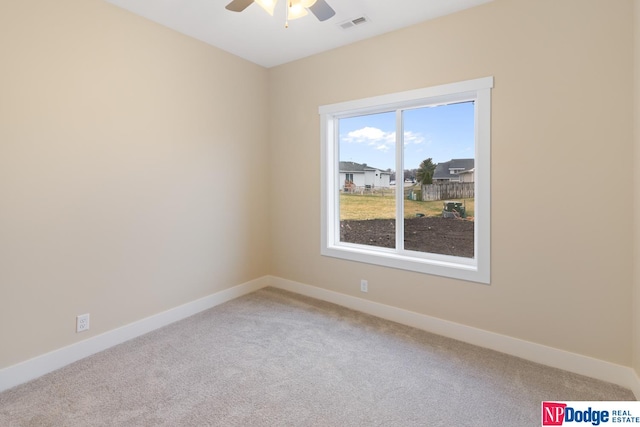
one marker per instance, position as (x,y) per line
(364,286)
(82,323)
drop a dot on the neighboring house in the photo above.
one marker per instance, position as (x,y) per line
(467,176)
(362,175)
(455,170)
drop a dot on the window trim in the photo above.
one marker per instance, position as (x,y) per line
(475,269)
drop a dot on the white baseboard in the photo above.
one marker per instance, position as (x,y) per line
(549,356)
(49,362)
(572,362)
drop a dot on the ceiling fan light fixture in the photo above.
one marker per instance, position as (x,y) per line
(296,9)
(268,5)
(293,8)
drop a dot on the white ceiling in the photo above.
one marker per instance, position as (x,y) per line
(263,39)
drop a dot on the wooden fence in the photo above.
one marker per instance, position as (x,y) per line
(446,191)
(367,189)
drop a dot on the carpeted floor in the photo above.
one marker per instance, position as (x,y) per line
(273,358)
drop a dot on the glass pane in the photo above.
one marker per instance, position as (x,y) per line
(439,160)
(367,180)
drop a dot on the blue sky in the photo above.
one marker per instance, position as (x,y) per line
(443,133)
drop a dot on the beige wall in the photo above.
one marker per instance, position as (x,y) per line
(561,247)
(127,171)
(636,168)
(131,183)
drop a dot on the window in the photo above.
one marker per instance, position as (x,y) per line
(388,194)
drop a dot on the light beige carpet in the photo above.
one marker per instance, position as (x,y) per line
(273,358)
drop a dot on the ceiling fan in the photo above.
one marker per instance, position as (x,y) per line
(295,8)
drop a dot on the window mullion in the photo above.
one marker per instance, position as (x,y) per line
(399,183)
(335,182)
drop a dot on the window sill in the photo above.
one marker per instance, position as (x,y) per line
(469,269)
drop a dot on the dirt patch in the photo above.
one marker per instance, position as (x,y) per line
(437,235)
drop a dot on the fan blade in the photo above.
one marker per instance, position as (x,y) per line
(322,10)
(238,5)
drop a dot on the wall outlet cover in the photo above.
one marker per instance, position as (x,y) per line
(82,323)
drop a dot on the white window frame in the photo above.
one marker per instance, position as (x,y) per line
(475,269)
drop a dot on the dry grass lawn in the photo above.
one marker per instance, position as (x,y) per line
(375,206)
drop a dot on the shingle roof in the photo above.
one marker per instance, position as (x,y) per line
(442,169)
(356,167)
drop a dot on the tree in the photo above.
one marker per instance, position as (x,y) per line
(425,172)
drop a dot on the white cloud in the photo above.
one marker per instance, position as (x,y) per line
(379,139)
(369,135)
(413,138)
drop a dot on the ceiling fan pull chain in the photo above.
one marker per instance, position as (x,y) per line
(286,12)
